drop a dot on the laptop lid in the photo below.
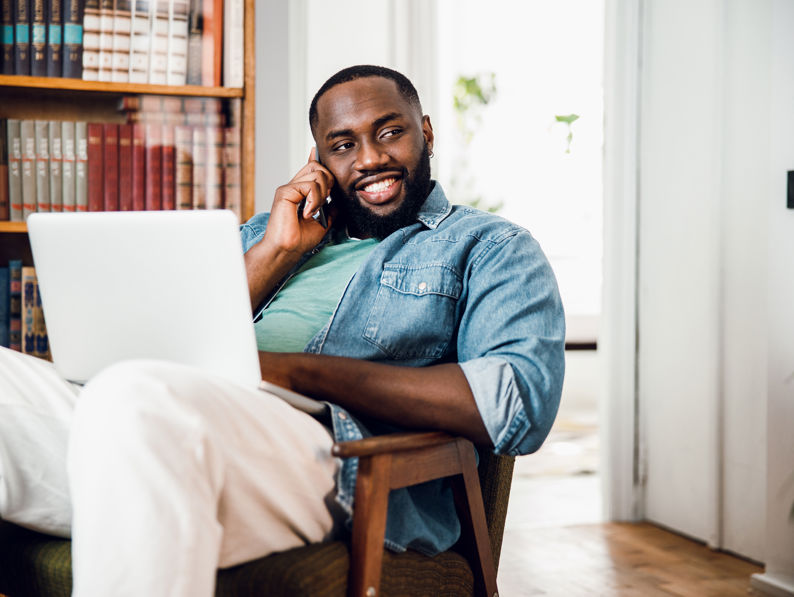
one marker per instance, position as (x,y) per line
(163,284)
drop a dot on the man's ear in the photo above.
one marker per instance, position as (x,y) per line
(427,131)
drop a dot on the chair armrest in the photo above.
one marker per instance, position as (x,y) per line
(394,442)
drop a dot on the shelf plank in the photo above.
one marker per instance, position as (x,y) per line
(20,227)
(56,83)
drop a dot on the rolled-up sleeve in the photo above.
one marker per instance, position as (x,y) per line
(511,342)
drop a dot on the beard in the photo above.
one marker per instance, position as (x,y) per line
(365,223)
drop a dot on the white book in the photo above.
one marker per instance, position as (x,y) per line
(106,14)
(177,42)
(140,36)
(233,52)
(158,57)
(122,17)
(68,166)
(56,166)
(91,41)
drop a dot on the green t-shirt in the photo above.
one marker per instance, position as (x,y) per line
(308,299)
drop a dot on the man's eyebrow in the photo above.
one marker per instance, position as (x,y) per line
(378,122)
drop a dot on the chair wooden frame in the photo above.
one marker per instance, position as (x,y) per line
(404,459)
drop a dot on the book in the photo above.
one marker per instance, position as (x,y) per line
(4,300)
(15,304)
(73,39)
(14,169)
(41,340)
(56,166)
(138,167)
(158,53)
(153,166)
(28,138)
(7,37)
(55,38)
(233,36)
(91,40)
(21,37)
(28,305)
(194,33)
(110,147)
(140,34)
(95,167)
(68,173)
(168,193)
(42,132)
(125,167)
(214,168)
(183,174)
(176,73)
(38,39)
(212,42)
(122,23)
(5,208)
(199,167)
(106,17)
(232,171)
(81,166)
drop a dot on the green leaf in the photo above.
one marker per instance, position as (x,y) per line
(568,118)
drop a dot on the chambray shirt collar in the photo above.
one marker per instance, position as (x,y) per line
(435,208)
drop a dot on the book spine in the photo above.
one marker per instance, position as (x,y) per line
(55,38)
(183,142)
(91,40)
(232,171)
(121,41)
(211,43)
(138,167)
(140,34)
(28,136)
(4,300)
(5,209)
(73,39)
(199,167)
(56,166)
(233,35)
(6,37)
(15,304)
(38,37)
(21,37)
(106,12)
(194,29)
(42,132)
(177,42)
(110,147)
(68,166)
(154,167)
(125,167)
(14,169)
(214,167)
(28,304)
(95,168)
(168,192)
(158,55)
(81,167)
(41,340)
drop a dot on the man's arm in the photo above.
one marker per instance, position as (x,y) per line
(435,397)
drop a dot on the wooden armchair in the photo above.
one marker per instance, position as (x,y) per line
(34,565)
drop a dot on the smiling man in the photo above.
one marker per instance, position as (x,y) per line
(407,312)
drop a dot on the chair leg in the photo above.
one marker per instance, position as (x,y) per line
(468,500)
(369,525)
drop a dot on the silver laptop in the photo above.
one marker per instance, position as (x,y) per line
(165,285)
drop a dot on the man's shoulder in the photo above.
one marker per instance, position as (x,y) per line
(482,225)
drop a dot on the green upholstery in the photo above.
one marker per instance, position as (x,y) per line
(35,565)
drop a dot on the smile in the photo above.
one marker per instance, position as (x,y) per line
(381,192)
(380,186)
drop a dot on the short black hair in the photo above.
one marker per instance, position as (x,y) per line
(361,71)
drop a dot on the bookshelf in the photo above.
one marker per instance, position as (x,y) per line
(52,98)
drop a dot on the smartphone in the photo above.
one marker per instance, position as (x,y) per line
(319,216)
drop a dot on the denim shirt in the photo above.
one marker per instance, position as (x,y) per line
(458,286)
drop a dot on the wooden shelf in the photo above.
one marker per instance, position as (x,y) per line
(20,227)
(56,83)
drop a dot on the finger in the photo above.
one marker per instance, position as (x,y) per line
(322,176)
(313,154)
(295,192)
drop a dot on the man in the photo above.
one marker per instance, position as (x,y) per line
(407,313)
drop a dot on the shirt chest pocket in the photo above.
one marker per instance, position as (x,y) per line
(414,312)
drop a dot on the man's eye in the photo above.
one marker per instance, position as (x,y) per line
(342,146)
(392,132)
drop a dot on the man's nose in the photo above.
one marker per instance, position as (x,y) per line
(371,156)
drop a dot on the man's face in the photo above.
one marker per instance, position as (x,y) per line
(376,144)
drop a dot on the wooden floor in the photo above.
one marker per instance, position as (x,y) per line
(620,559)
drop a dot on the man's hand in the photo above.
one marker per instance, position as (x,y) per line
(431,398)
(289,234)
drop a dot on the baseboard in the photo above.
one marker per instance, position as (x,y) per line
(773,585)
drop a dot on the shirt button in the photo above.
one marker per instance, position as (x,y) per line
(422,286)
(343,416)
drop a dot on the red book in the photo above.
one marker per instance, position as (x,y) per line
(214,168)
(212,42)
(183,140)
(169,167)
(111,147)
(95,170)
(138,167)
(232,171)
(125,167)
(154,166)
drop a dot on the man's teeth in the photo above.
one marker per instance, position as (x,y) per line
(377,187)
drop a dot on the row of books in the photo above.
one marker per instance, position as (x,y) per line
(167,42)
(22,325)
(65,166)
